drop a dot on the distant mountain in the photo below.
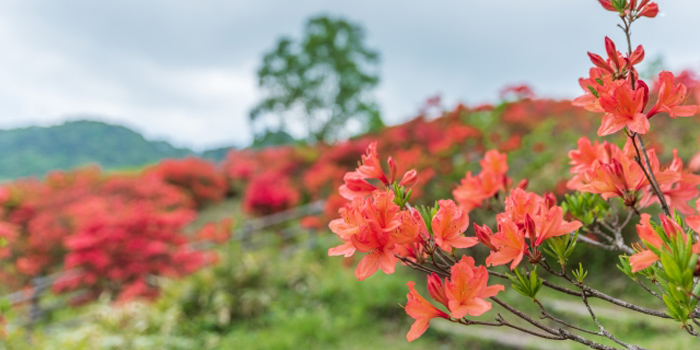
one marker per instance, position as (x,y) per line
(34,151)
(216,154)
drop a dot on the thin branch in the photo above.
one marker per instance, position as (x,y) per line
(649,290)
(561,332)
(600,326)
(648,171)
(592,292)
(500,322)
(547,315)
(416,266)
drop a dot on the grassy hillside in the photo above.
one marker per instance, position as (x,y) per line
(34,151)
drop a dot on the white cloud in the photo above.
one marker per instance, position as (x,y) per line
(185,72)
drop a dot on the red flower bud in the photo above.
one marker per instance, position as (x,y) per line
(600,62)
(637,56)
(530,228)
(410,178)
(550,199)
(392,169)
(523,184)
(607,4)
(649,11)
(612,52)
(484,234)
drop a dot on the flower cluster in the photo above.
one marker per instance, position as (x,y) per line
(372,222)
(605,169)
(474,190)
(463,293)
(614,88)
(379,222)
(529,217)
(643,8)
(658,238)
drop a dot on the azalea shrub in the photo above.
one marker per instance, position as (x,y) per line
(200,178)
(269,193)
(112,232)
(613,185)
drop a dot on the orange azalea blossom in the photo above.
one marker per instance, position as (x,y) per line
(411,229)
(470,193)
(473,190)
(624,107)
(494,162)
(589,101)
(584,159)
(644,258)
(467,288)
(520,203)
(551,224)
(379,248)
(526,215)
(356,184)
(615,179)
(509,243)
(371,168)
(421,310)
(376,226)
(436,289)
(463,293)
(678,193)
(449,225)
(611,172)
(670,98)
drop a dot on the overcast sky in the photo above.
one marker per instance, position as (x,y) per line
(184,71)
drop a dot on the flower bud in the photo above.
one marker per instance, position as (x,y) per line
(410,178)
(483,234)
(530,228)
(649,11)
(523,184)
(392,170)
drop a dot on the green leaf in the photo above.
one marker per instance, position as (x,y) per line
(580,274)
(524,284)
(593,91)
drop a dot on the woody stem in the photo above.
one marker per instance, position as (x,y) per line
(648,172)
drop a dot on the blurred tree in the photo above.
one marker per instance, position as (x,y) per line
(652,68)
(272,138)
(321,83)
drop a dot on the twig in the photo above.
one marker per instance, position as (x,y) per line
(561,332)
(594,293)
(600,326)
(547,315)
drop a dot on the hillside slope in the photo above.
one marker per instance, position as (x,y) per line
(34,151)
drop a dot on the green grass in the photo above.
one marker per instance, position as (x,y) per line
(275,293)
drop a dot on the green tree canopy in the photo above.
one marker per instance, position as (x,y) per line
(320,84)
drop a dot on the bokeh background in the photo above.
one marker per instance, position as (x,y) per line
(141,207)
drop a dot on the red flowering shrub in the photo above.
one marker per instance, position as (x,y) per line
(269,193)
(108,233)
(116,230)
(197,177)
